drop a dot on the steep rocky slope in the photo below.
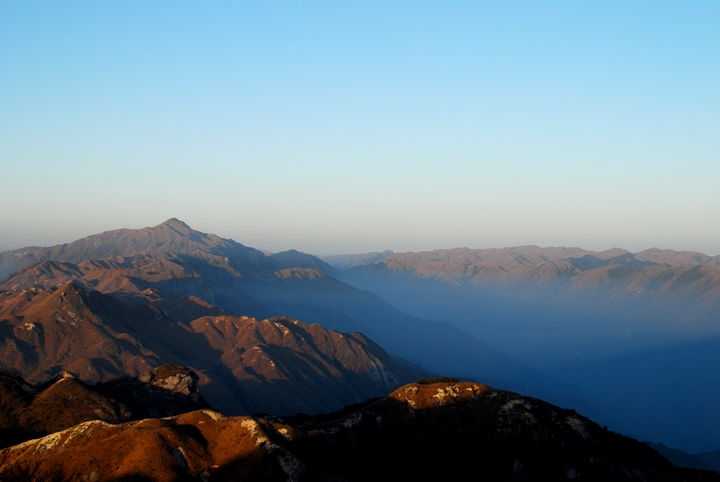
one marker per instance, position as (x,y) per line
(277,365)
(422,430)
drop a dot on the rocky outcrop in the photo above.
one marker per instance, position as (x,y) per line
(28,411)
(173,382)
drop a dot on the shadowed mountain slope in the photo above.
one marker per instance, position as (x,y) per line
(31,411)
(277,365)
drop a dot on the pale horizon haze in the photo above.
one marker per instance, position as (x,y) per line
(349,127)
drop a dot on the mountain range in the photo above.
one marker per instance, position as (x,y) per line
(185,273)
(288,332)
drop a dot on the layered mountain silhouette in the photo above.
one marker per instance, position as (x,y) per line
(701,461)
(181,271)
(432,429)
(641,298)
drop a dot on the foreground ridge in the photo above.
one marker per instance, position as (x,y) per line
(419,430)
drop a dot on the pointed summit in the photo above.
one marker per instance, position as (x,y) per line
(179,226)
(173,236)
(175,222)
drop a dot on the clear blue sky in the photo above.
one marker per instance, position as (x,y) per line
(336,127)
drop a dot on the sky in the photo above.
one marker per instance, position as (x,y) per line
(346,127)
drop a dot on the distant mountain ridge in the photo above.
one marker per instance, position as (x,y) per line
(344,261)
(172,236)
(478,266)
(673,294)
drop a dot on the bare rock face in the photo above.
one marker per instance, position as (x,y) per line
(172,381)
(426,430)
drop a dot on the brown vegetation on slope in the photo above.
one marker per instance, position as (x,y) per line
(277,365)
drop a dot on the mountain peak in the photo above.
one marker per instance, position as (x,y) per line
(174,221)
(176,224)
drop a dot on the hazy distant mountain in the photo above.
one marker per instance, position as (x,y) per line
(530,264)
(343,261)
(604,321)
(296,259)
(582,303)
(277,365)
(700,461)
(420,431)
(172,236)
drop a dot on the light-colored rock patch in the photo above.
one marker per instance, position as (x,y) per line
(578,425)
(255,431)
(216,416)
(352,420)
